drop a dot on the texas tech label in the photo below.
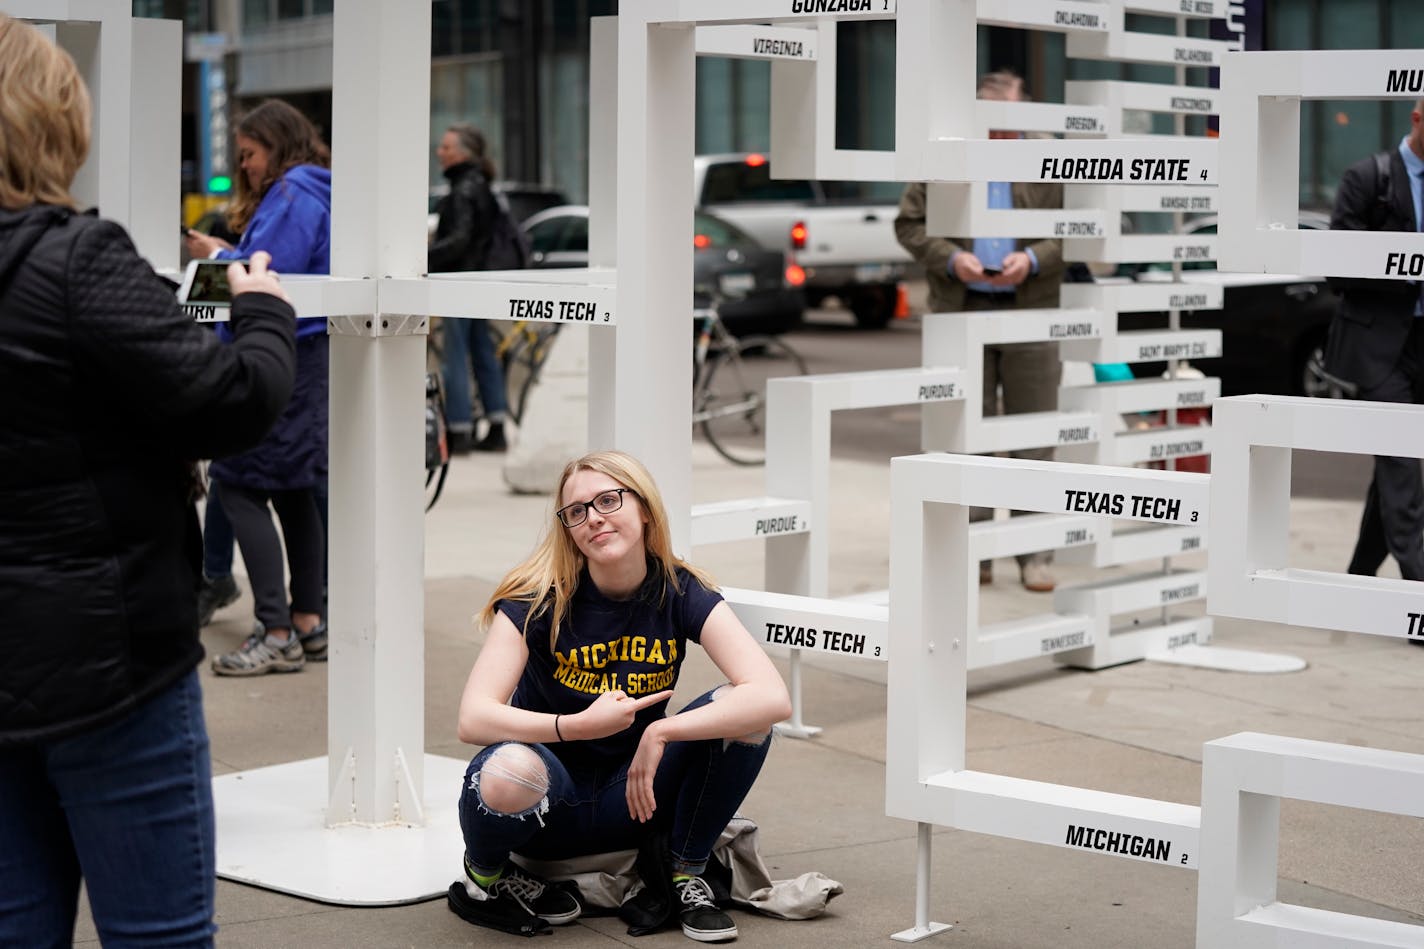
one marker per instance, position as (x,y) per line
(1110,841)
(809,637)
(1416,627)
(567,311)
(1143,506)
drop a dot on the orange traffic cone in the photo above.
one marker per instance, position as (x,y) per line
(902,301)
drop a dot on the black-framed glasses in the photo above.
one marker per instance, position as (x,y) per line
(572,515)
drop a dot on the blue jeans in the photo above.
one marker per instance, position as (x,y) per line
(468,344)
(698,787)
(217,540)
(129,807)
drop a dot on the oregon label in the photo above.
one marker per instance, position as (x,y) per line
(1115,169)
(567,310)
(1080,123)
(1142,506)
(1110,841)
(767,526)
(808,637)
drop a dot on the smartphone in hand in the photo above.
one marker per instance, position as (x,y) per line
(205,283)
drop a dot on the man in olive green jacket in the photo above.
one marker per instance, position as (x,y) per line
(1024,375)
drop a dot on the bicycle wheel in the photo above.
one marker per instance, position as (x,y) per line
(730,406)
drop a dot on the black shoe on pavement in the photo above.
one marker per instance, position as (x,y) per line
(518,902)
(701,919)
(493,440)
(460,442)
(213,595)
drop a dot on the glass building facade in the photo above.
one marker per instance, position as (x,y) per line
(518,69)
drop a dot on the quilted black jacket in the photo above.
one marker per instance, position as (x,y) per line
(107,392)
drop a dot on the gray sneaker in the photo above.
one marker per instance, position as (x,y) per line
(260,654)
(313,642)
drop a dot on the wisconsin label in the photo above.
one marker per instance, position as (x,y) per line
(571,311)
(1185,104)
(1114,169)
(808,637)
(1136,505)
(1110,841)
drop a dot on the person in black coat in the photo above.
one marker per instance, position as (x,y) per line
(462,243)
(1376,344)
(110,394)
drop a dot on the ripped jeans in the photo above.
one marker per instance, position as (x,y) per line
(698,787)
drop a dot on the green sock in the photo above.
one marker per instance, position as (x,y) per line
(679,877)
(482,879)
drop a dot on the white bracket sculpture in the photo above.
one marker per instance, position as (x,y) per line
(1260,116)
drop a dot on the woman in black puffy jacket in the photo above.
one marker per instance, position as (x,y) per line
(109,392)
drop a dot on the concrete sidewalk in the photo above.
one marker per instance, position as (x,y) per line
(1135,729)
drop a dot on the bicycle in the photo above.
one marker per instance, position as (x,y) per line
(521,351)
(729,386)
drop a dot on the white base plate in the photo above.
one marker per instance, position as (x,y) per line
(1228,660)
(271,833)
(916,934)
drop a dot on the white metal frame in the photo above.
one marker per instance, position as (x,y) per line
(1261,94)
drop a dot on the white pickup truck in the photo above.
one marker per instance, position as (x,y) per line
(846,246)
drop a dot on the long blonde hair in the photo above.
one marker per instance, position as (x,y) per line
(44,119)
(548,579)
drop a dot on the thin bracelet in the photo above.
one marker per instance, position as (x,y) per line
(556,728)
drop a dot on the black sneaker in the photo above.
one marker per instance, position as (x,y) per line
(213,595)
(514,902)
(701,919)
(494,439)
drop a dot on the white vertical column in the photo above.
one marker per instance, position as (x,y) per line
(936,51)
(376,706)
(603,179)
(156,106)
(652,385)
(103,50)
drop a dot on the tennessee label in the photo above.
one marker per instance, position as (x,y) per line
(809,637)
(1058,643)
(1116,169)
(1110,841)
(564,311)
(1190,591)
(1142,506)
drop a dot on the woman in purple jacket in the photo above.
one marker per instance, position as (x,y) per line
(283,206)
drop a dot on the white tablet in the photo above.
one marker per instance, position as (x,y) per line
(205,283)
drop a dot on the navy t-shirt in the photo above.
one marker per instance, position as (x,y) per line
(636,645)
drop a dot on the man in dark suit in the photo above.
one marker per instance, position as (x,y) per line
(1377,344)
(998,273)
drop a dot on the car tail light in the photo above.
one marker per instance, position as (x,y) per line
(755,161)
(795,275)
(701,241)
(798,235)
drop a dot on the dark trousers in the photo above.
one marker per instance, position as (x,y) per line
(128,806)
(1393,520)
(262,549)
(1026,375)
(698,788)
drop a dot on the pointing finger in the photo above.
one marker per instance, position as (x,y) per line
(653,699)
